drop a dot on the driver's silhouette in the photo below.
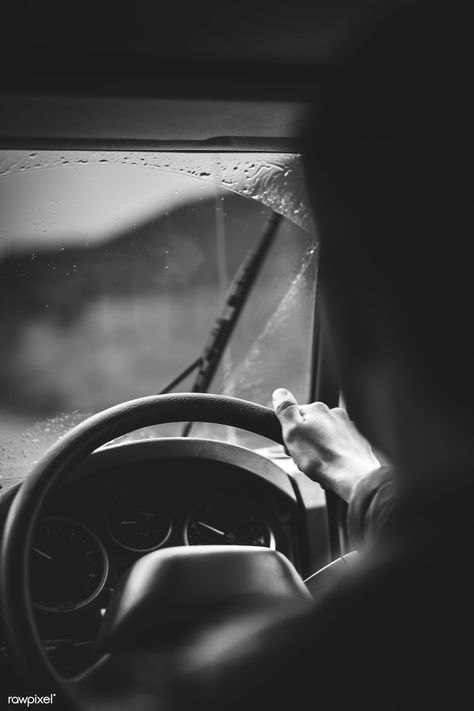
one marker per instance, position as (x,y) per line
(389,162)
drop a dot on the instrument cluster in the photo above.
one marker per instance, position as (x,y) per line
(70,560)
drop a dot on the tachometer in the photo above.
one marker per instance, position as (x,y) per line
(138,521)
(228,522)
(69,565)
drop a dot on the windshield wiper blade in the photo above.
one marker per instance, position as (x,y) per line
(208,362)
(235,300)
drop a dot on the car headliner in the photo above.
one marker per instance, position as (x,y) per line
(213,74)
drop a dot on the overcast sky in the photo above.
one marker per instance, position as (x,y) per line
(87,202)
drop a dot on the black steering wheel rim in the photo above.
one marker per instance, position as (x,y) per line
(21,634)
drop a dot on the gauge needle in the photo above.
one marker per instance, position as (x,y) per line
(211,528)
(127,523)
(45,555)
(145,514)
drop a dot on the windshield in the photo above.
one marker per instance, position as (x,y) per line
(113,268)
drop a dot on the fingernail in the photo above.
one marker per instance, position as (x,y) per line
(279,394)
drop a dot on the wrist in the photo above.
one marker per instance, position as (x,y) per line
(343,479)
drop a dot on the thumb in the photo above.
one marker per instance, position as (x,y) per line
(286,407)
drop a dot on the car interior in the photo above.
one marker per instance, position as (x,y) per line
(158,269)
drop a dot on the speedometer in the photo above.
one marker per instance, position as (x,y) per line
(228,522)
(69,565)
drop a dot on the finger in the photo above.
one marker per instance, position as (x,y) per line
(314,407)
(340,412)
(318,406)
(286,407)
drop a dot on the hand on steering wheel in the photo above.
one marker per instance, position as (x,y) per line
(324,444)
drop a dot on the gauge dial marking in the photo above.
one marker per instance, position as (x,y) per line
(74,569)
(229,521)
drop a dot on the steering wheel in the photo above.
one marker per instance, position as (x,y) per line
(23,640)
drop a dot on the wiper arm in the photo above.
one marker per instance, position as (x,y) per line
(224,325)
(179,378)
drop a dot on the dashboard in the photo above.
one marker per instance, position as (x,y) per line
(127,500)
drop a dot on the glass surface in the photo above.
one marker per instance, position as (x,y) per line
(113,268)
(271,344)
